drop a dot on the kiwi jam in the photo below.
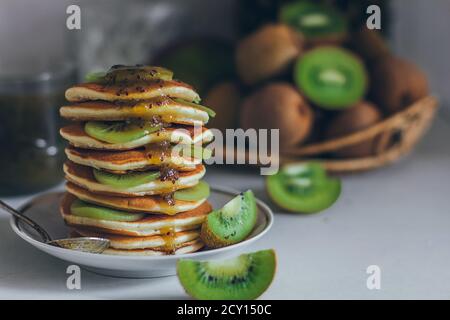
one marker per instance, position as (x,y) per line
(31,154)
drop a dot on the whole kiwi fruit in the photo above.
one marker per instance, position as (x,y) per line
(225,99)
(356,118)
(369,44)
(397,83)
(279,106)
(268,52)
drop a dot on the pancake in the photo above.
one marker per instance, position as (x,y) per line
(152,224)
(77,137)
(188,247)
(139,159)
(164,108)
(84,177)
(167,242)
(137,91)
(147,204)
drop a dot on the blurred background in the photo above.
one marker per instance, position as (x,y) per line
(39,58)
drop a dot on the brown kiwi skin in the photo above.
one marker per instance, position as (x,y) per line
(354,119)
(279,105)
(397,83)
(210,239)
(225,99)
(369,44)
(267,53)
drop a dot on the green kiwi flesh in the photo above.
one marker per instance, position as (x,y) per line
(303,188)
(196,193)
(231,224)
(126,74)
(209,111)
(245,277)
(82,209)
(119,131)
(331,77)
(127,180)
(315,21)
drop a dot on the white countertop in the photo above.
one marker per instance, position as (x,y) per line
(397,218)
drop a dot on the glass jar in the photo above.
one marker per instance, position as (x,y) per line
(32,153)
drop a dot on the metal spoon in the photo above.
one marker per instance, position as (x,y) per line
(85,244)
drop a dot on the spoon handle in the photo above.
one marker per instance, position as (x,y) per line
(44,235)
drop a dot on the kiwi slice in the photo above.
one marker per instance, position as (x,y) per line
(231,224)
(193,151)
(198,192)
(303,188)
(82,209)
(315,21)
(124,74)
(331,77)
(245,277)
(120,131)
(209,111)
(124,181)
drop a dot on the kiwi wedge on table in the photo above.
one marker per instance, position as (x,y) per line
(127,180)
(319,23)
(232,223)
(86,210)
(196,193)
(126,74)
(245,277)
(333,78)
(303,188)
(120,131)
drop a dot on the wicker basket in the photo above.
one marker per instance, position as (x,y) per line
(395,137)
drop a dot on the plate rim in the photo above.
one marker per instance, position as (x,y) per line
(265,209)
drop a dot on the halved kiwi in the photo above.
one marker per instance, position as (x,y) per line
(127,180)
(331,77)
(198,192)
(231,224)
(120,131)
(83,209)
(303,188)
(317,22)
(125,74)
(245,277)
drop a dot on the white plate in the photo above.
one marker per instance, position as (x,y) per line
(45,211)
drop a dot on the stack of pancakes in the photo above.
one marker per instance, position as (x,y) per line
(165,225)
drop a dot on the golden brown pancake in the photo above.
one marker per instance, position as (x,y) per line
(163,108)
(188,247)
(147,204)
(137,91)
(77,137)
(167,242)
(153,224)
(84,177)
(139,159)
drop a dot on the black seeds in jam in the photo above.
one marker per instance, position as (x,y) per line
(168,197)
(168,174)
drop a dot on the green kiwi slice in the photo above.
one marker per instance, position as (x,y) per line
(125,74)
(127,180)
(231,224)
(315,21)
(209,111)
(303,188)
(331,77)
(120,131)
(82,209)
(198,192)
(245,277)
